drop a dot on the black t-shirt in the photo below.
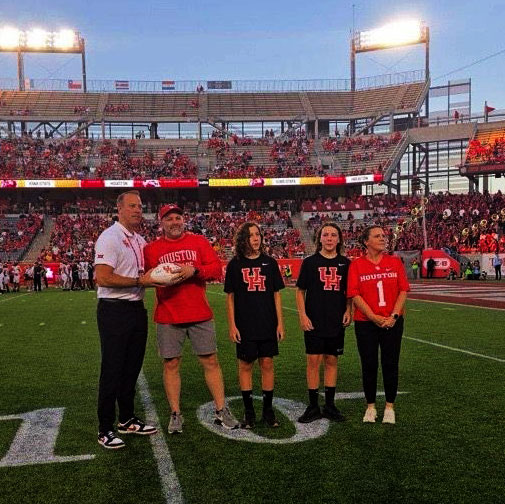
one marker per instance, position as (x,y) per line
(253,283)
(325,283)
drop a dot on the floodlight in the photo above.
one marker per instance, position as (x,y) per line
(9,37)
(64,39)
(37,39)
(395,34)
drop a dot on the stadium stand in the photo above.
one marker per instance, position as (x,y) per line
(16,235)
(215,107)
(487,147)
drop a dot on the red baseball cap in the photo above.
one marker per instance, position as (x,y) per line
(166,209)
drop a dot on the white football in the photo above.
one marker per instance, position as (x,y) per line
(165,273)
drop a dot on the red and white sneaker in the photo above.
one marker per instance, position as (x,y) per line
(136,426)
(110,441)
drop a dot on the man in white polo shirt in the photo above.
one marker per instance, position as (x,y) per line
(122,321)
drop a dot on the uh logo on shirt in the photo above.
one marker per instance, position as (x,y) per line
(254,281)
(331,280)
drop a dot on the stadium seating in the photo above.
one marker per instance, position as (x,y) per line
(362,154)
(487,147)
(215,107)
(16,235)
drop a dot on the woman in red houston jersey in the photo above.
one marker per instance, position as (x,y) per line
(378,285)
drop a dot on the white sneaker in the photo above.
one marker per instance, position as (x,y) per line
(370,415)
(389,416)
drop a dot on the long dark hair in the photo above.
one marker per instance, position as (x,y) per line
(241,240)
(317,238)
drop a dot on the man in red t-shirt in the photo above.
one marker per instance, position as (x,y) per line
(182,310)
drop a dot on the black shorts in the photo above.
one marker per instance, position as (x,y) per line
(330,345)
(249,351)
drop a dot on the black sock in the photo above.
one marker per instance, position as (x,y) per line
(314,397)
(329,396)
(247,398)
(267,399)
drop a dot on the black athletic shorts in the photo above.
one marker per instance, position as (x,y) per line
(317,345)
(249,351)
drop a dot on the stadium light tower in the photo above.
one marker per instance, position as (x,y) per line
(397,34)
(38,40)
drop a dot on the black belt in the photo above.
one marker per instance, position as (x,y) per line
(123,301)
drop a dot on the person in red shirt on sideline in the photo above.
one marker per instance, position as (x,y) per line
(182,310)
(378,285)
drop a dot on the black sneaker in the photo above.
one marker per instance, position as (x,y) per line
(269,418)
(332,413)
(110,441)
(249,420)
(311,414)
(136,426)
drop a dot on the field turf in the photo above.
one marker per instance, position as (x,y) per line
(448,445)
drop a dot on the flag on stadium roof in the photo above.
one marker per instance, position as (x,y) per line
(122,84)
(74,84)
(29,84)
(168,85)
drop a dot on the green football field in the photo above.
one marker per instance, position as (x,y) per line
(448,445)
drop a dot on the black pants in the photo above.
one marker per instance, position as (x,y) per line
(497,272)
(123,334)
(370,338)
(37,283)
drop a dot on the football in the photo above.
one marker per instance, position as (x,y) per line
(165,273)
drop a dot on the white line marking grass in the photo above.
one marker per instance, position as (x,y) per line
(453,349)
(13,297)
(169,481)
(455,304)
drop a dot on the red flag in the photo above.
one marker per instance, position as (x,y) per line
(488,109)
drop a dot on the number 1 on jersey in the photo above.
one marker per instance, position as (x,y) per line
(380,288)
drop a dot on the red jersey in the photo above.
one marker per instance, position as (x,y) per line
(378,284)
(185,302)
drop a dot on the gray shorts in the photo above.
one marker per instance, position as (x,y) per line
(171,338)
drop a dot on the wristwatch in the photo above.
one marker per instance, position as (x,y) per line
(196,272)
(395,316)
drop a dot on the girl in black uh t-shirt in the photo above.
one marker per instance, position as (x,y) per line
(253,283)
(324,313)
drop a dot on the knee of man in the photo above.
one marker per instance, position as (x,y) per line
(172,364)
(209,361)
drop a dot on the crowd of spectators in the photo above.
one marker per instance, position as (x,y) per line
(81,109)
(74,235)
(281,239)
(120,162)
(487,152)
(27,157)
(464,223)
(365,151)
(16,234)
(287,158)
(115,109)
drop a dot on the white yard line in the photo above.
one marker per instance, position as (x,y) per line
(169,481)
(452,349)
(455,304)
(14,297)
